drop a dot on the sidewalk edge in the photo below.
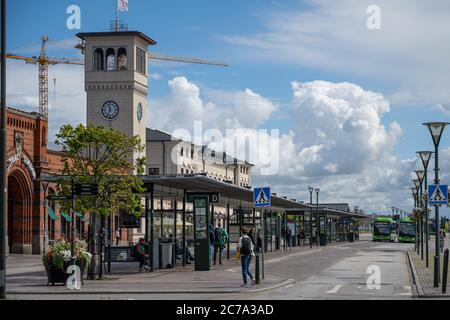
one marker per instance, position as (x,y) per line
(416,279)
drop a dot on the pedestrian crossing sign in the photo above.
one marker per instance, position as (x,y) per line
(261,197)
(438,194)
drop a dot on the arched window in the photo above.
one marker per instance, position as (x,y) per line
(98,60)
(110,59)
(122,60)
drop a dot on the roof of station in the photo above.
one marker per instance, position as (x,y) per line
(202,183)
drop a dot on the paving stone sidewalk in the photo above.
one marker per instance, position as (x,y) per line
(425,275)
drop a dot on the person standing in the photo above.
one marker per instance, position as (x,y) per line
(245,247)
(301,237)
(117,235)
(220,238)
(212,238)
(289,237)
(442,237)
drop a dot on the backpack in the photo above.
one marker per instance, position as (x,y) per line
(218,235)
(246,248)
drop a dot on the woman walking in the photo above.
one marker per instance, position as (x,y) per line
(246,247)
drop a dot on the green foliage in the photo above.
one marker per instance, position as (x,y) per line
(95,154)
(59,254)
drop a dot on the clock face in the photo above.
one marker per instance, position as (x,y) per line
(110,110)
(139,112)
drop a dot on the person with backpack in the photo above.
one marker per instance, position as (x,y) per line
(245,247)
(220,238)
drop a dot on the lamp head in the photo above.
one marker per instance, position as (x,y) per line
(425,156)
(436,130)
(420,175)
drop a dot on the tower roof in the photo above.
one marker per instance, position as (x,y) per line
(141,35)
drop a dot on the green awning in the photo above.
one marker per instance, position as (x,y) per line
(80,216)
(66,216)
(52,214)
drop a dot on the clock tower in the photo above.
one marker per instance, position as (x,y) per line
(116,80)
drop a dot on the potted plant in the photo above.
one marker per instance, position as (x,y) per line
(57,260)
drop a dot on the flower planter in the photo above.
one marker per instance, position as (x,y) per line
(59,276)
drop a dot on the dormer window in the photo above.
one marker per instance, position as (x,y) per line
(122,60)
(110,59)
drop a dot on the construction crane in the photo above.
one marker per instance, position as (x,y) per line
(43,61)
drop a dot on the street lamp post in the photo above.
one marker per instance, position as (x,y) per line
(414,194)
(317,216)
(3,154)
(417,186)
(311,190)
(436,129)
(420,175)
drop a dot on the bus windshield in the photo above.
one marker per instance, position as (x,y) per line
(382,228)
(407,229)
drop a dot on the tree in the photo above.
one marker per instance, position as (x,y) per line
(95,154)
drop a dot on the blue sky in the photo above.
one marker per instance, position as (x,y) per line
(259,40)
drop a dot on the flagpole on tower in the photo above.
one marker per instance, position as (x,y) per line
(117,15)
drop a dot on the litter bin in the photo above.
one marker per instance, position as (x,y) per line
(165,255)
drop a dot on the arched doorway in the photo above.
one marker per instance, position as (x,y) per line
(19,213)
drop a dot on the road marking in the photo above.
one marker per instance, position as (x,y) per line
(335,289)
(407,293)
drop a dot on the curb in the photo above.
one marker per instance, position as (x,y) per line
(118,291)
(415,276)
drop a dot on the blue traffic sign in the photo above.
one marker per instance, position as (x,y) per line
(438,194)
(261,197)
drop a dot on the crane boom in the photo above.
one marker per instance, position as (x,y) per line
(43,61)
(157,56)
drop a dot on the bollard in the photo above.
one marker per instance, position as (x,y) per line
(257,275)
(445,271)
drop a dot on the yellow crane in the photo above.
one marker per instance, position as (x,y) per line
(43,61)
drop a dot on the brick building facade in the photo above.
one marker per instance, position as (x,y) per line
(27,159)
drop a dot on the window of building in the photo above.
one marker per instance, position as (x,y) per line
(182,151)
(153,171)
(192,153)
(141,63)
(122,60)
(182,171)
(213,153)
(110,59)
(98,59)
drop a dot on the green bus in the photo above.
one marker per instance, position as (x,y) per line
(407,230)
(384,229)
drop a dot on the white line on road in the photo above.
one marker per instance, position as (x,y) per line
(335,289)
